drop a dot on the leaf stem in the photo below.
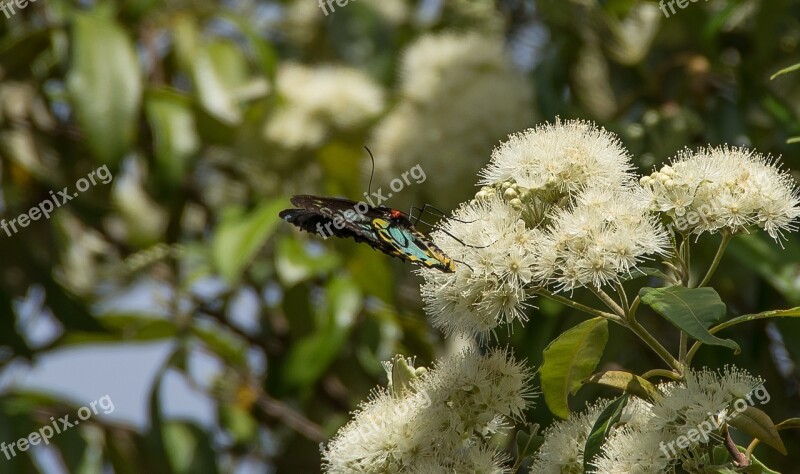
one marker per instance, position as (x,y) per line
(609,301)
(742,319)
(684,343)
(726,239)
(651,341)
(661,373)
(575,305)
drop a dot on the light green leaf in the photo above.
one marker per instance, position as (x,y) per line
(175,138)
(239,423)
(785,71)
(790,423)
(569,360)
(219,70)
(601,429)
(223,343)
(758,424)
(189,448)
(105,83)
(691,310)
(628,382)
(239,237)
(295,263)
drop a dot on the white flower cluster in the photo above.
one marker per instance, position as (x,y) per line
(440,423)
(314,100)
(643,441)
(566,156)
(459,94)
(560,208)
(603,236)
(731,189)
(496,254)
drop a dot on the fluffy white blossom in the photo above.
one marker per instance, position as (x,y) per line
(440,424)
(731,189)
(494,254)
(704,397)
(603,236)
(459,94)
(562,450)
(699,404)
(315,100)
(565,157)
(632,450)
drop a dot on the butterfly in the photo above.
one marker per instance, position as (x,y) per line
(387,230)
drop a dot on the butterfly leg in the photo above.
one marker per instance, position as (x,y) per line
(434,211)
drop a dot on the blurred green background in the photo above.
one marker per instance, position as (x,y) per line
(229,341)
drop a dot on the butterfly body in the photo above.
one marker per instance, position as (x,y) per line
(387,230)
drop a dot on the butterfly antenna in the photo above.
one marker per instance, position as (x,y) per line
(465,263)
(372,173)
(456,238)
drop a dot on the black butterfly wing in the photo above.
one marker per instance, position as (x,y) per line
(320,215)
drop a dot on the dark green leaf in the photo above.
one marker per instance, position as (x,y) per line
(528,443)
(692,310)
(758,424)
(601,429)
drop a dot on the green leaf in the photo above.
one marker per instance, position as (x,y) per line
(310,357)
(175,139)
(239,237)
(639,272)
(569,360)
(758,424)
(785,71)
(17,52)
(222,343)
(756,466)
(628,382)
(601,429)
(219,71)
(105,83)
(723,463)
(189,448)
(527,442)
(789,423)
(758,253)
(295,263)
(239,423)
(691,310)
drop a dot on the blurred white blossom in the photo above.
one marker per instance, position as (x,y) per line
(315,100)
(459,94)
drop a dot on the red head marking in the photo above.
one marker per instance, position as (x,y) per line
(396,214)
